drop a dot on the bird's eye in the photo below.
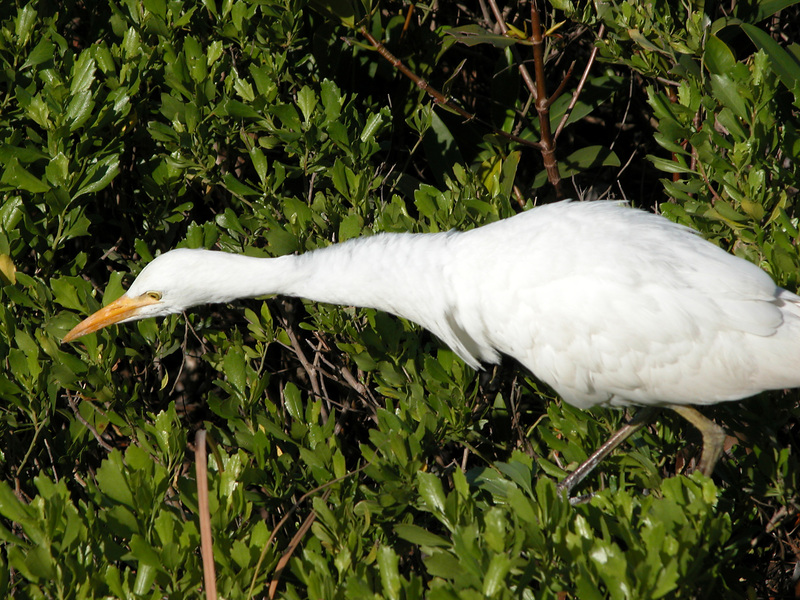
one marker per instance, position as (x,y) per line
(155,295)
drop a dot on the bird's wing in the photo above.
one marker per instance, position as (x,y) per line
(620,307)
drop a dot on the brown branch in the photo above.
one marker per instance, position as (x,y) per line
(436,95)
(538,90)
(542,105)
(536,85)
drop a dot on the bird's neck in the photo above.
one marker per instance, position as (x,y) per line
(421,277)
(397,273)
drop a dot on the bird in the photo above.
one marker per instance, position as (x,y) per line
(607,304)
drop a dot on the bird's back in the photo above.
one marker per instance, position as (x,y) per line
(610,305)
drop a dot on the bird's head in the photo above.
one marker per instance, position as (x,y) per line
(170,284)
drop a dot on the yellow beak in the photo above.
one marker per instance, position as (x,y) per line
(120,309)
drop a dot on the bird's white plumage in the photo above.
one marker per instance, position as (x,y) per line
(606,304)
(611,306)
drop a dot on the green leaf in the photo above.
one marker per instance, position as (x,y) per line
(143,552)
(57,170)
(517,472)
(238,109)
(10,506)
(443,564)
(728,93)
(390,574)
(293,401)
(351,226)
(161,132)
(237,187)
(195,59)
(43,52)
(98,176)
(422,537)
(244,89)
(509,172)
(79,109)
(784,64)
(8,270)
(718,58)
(307,101)
(259,162)
(441,149)
(26,19)
(281,241)
(430,488)
(339,178)
(40,563)
(522,506)
(494,581)
(82,75)
(234,366)
(472,35)
(670,166)
(726,211)
(17,176)
(331,100)
(145,576)
(112,482)
(373,124)
(767,8)
(288,116)
(343,10)
(590,157)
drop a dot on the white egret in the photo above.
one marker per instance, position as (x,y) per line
(608,305)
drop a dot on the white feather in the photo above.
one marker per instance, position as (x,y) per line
(606,304)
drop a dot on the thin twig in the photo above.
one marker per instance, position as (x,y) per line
(296,347)
(523,70)
(578,89)
(74,406)
(561,86)
(183,352)
(293,545)
(306,524)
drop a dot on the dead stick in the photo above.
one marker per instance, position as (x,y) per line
(206,542)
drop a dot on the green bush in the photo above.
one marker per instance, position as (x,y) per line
(274,126)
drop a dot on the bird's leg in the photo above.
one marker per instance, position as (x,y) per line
(640,419)
(713,437)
